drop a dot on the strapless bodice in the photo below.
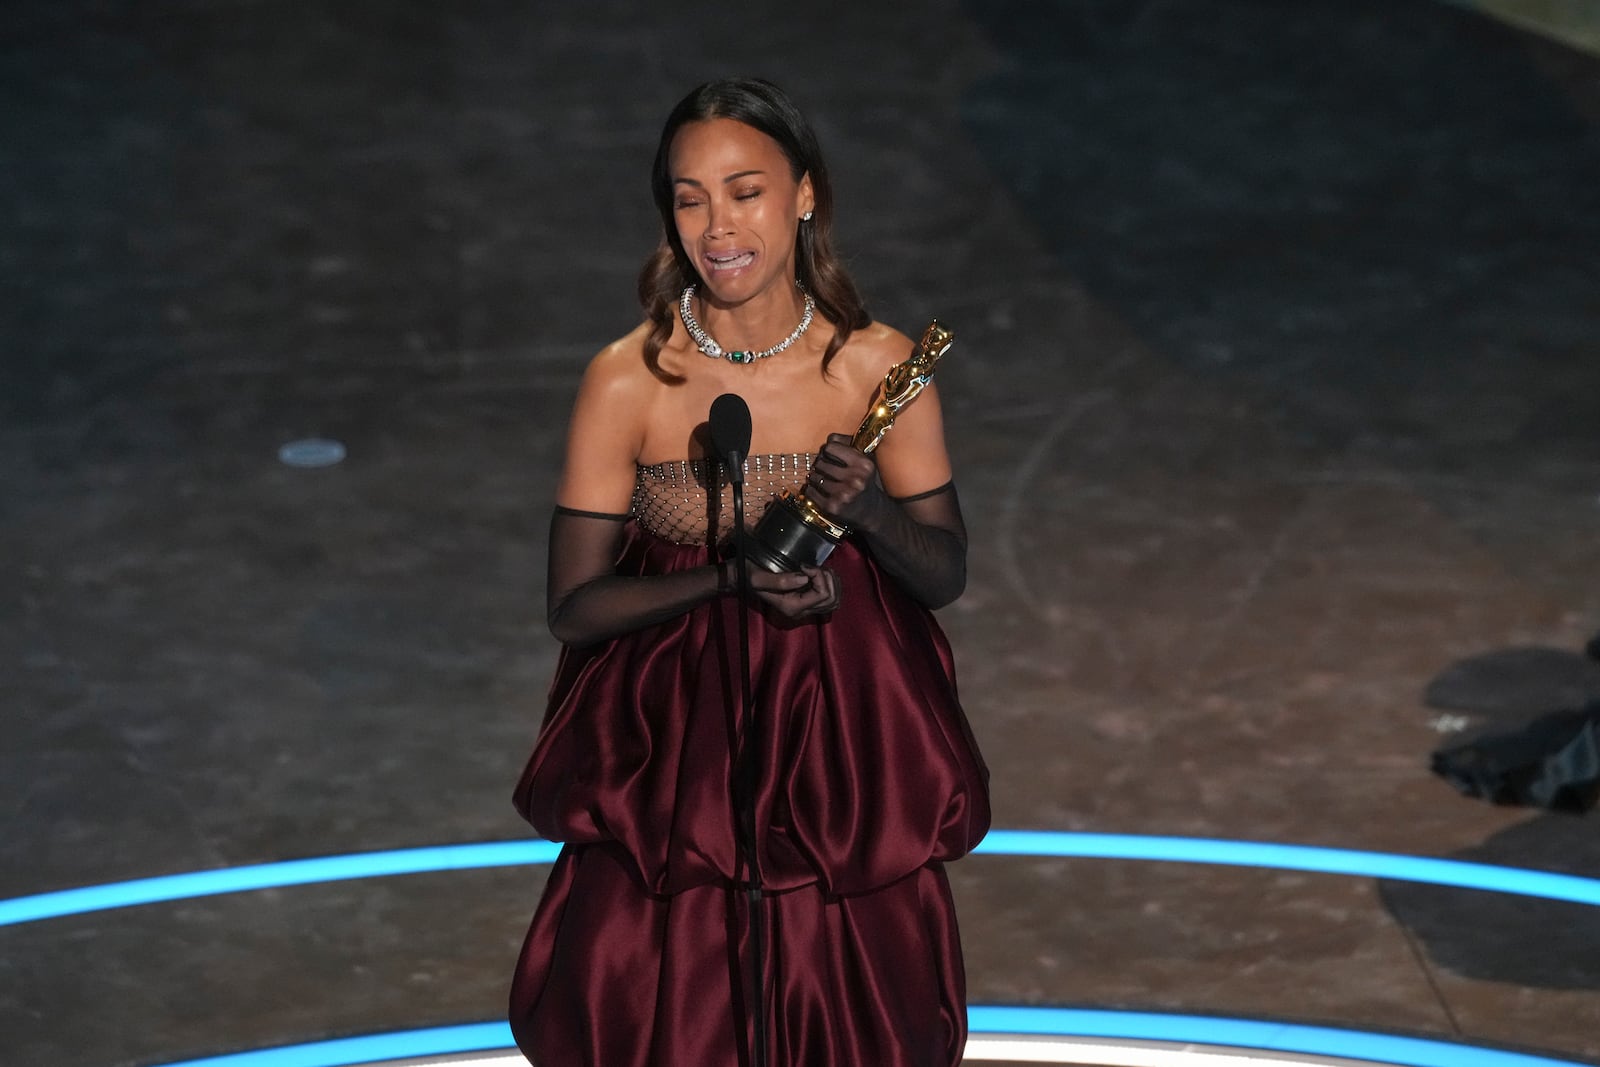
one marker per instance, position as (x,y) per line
(690,501)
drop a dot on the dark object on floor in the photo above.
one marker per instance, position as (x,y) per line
(1511,685)
(1593,647)
(1552,762)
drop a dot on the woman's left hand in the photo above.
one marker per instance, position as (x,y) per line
(844,483)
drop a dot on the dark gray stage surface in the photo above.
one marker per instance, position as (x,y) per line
(1276,397)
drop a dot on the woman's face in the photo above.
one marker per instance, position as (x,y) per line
(736,207)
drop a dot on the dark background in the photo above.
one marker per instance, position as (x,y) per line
(1275,398)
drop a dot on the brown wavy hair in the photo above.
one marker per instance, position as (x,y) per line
(760,105)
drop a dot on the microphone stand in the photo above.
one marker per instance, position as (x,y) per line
(744,770)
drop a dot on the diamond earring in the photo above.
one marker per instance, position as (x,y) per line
(806,217)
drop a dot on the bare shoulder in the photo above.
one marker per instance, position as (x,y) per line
(871,351)
(607,429)
(619,367)
(618,392)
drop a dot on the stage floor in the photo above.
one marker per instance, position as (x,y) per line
(1275,406)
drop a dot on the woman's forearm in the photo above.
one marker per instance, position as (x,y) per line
(929,561)
(587,601)
(611,605)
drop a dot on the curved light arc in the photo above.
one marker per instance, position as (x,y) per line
(1187,1033)
(1160,849)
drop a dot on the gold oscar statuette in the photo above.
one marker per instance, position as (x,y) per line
(794,532)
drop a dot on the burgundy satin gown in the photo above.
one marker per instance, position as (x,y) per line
(868,781)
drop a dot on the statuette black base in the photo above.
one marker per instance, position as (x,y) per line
(783,541)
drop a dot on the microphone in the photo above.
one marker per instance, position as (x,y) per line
(730,433)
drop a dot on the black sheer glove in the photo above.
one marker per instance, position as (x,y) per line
(813,591)
(586,601)
(920,540)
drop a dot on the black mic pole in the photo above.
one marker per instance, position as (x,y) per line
(746,696)
(730,436)
(749,748)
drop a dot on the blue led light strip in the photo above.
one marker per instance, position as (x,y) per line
(1056,1022)
(273,875)
(1246,1033)
(1512,880)
(1495,879)
(373,1048)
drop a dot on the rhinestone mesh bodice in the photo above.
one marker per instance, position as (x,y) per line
(677,501)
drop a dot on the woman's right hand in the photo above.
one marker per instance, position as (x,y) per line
(811,592)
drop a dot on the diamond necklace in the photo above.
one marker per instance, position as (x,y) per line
(704,342)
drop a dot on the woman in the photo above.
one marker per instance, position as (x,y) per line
(865,776)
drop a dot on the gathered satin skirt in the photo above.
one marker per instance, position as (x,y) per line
(863,780)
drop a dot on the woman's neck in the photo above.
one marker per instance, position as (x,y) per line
(762,321)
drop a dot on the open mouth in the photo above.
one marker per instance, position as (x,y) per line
(730,260)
